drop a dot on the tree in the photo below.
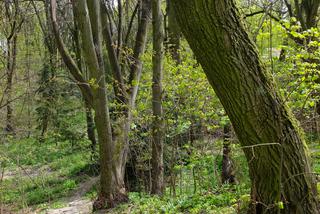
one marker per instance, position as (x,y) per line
(173,34)
(95,92)
(48,86)
(93,21)
(305,11)
(125,79)
(158,122)
(88,108)
(282,180)
(14,22)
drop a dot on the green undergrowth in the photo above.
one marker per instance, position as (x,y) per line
(55,170)
(42,174)
(226,199)
(198,187)
(314,147)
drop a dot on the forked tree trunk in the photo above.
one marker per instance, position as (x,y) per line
(90,27)
(280,172)
(126,99)
(158,123)
(91,34)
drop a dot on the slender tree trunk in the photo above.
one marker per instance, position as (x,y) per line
(90,126)
(29,100)
(282,180)
(87,107)
(158,123)
(136,66)
(11,66)
(228,173)
(139,48)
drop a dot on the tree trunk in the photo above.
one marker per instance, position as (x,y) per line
(174,34)
(280,172)
(139,48)
(228,173)
(90,126)
(126,99)
(11,66)
(90,28)
(87,107)
(158,123)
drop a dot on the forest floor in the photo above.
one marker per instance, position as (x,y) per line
(76,204)
(56,178)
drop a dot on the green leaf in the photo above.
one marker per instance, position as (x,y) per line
(280,205)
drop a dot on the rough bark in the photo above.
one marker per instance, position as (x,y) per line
(274,147)
(158,123)
(174,34)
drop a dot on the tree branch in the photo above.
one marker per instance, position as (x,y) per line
(70,63)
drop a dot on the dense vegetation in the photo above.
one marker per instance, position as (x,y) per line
(150,106)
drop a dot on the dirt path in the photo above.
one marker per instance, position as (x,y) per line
(77,205)
(26,172)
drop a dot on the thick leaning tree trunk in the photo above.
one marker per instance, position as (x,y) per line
(277,156)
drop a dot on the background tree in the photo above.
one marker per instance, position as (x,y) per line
(158,122)
(95,93)
(13,21)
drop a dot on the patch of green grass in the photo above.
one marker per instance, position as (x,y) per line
(228,201)
(61,163)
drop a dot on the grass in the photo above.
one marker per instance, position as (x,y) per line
(57,168)
(54,171)
(227,201)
